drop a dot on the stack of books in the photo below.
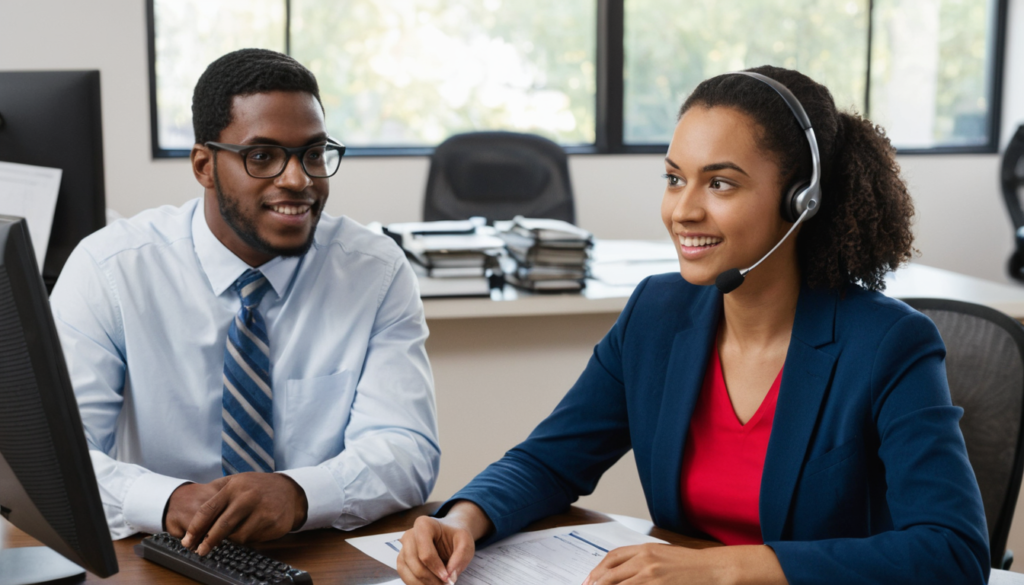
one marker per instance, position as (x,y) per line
(450,258)
(548,255)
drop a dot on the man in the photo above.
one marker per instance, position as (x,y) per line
(245,367)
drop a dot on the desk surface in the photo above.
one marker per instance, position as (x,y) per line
(329,559)
(620,275)
(326,555)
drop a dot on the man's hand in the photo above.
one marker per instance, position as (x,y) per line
(183,505)
(245,507)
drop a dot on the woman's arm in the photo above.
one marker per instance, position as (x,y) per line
(563,457)
(566,454)
(938,531)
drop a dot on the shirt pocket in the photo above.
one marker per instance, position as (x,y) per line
(316,414)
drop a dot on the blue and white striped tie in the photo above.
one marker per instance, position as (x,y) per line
(248,430)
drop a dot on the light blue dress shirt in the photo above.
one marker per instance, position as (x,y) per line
(143,307)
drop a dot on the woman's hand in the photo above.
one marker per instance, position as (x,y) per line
(437,550)
(664,564)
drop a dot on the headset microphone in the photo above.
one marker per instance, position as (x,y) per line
(801,201)
(731,279)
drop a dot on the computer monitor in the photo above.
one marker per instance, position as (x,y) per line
(47,483)
(53,119)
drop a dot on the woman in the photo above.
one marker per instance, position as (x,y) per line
(865,478)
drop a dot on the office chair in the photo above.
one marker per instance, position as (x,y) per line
(1011,179)
(985,368)
(498,175)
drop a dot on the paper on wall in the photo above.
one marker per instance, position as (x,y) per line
(31,192)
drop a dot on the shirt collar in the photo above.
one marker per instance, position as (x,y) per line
(223,268)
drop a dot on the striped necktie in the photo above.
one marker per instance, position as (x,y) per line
(248,429)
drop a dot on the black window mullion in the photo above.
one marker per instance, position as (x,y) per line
(996,71)
(288,27)
(154,135)
(610,64)
(867,70)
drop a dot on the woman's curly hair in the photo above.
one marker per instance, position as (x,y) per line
(862,230)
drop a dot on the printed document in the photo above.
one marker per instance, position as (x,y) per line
(31,192)
(558,556)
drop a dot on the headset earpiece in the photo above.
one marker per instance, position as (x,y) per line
(789,201)
(800,198)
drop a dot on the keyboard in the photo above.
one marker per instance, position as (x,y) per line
(227,564)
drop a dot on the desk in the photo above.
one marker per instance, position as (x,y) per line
(329,559)
(325,555)
(913,280)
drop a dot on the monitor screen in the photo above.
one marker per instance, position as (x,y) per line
(47,485)
(52,119)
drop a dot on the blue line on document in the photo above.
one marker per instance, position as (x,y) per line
(578,537)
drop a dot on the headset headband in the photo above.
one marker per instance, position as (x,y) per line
(810,198)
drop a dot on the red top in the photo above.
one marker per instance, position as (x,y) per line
(723,461)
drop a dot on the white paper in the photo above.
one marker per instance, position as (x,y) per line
(630,251)
(31,192)
(556,556)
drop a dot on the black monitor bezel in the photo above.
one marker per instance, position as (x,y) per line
(59,403)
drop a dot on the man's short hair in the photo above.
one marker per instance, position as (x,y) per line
(243,72)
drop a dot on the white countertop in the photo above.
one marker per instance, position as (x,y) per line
(621,265)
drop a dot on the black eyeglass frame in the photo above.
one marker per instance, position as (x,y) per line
(243,149)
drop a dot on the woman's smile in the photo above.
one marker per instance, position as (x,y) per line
(695,246)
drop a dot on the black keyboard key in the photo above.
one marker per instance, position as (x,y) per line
(227,564)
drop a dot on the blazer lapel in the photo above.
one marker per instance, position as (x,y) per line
(806,376)
(683,379)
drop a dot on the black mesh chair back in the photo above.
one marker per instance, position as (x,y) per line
(985,368)
(498,175)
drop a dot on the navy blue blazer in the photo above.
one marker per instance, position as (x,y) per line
(866,479)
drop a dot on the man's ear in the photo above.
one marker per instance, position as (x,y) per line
(202,165)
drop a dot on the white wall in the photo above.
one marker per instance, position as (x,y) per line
(961,226)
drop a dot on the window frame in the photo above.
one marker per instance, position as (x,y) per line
(610,82)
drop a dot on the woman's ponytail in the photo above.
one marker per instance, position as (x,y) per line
(867,231)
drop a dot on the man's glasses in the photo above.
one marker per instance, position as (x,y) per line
(266,161)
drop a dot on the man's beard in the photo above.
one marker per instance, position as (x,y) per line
(245,228)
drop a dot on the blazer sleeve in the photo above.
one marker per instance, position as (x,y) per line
(938,522)
(566,454)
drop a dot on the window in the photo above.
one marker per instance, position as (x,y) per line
(932,72)
(397,73)
(189,35)
(400,76)
(413,72)
(672,45)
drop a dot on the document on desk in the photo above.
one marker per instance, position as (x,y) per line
(558,556)
(31,192)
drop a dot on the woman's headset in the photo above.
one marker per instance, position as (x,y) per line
(801,201)
(803,196)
